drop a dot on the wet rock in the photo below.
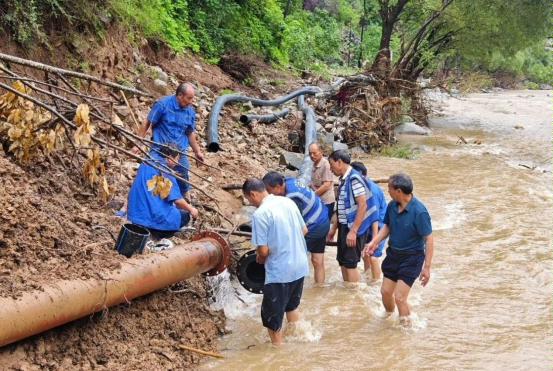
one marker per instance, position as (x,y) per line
(412,129)
(292,160)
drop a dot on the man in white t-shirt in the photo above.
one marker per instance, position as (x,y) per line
(278,233)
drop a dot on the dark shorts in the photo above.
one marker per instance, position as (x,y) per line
(348,257)
(316,238)
(404,266)
(330,210)
(279,298)
(158,234)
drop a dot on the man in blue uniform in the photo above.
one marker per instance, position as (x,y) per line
(162,216)
(173,120)
(278,234)
(372,262)
(314,214)
(411,245)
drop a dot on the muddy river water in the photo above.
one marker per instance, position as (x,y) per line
(488,304)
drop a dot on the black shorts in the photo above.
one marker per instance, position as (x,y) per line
(404,266)
(279,298)
(348,257)
(316,238)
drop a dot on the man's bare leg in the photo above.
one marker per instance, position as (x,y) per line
(366,263)
(292,318)
(376,271)
(401,293)
(276,337)
(344,273)
(317,259)
(387,291)
(352,275)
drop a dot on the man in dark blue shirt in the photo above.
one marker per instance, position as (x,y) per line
(411,245)
(155,201)
(173,120)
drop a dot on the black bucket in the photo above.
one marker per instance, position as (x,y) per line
(250,273)
(132,238)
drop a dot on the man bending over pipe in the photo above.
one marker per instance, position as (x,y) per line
(314,215)
(278,233)
(155,200)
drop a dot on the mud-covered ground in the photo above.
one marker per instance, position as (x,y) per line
(55,227)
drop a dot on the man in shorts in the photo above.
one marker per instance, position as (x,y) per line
(372,262)
(314,214)
(410,249)
(278,233)
(357,215)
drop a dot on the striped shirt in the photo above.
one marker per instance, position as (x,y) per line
(358,190)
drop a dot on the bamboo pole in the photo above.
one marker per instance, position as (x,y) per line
(84,76)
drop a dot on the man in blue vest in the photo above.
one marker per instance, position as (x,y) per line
(411,247)
(372,262)
(357,215)
(165,212)
(314,214)
(173,120)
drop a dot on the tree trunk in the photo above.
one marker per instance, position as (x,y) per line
(389,15)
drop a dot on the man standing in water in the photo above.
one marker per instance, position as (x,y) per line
(278,233)
(313,212)
(322,181)
(411,247)
(372,262)
(357,215)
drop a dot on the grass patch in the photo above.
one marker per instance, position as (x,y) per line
(475,82)
(399,151)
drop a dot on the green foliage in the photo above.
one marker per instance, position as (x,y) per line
(399,151)
(165,20)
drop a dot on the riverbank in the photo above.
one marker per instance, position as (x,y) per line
(488,305)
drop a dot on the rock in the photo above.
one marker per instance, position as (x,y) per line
(198,67)
(122,110)
(292,160)
(326,140)
(357,150)
(546,87)
(339,145)
(159,74)
(412,129)
(160,86)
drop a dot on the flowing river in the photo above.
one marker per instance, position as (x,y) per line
(488,304)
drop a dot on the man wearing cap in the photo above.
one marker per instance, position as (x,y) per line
(313,212)
(357,215)
(278,233)
(410,249)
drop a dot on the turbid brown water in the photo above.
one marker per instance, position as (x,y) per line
(488,305)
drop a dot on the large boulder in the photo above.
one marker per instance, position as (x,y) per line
(292,160)
(412,128)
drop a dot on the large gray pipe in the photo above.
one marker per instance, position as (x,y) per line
(266,119)
(212,127)
(310,137)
